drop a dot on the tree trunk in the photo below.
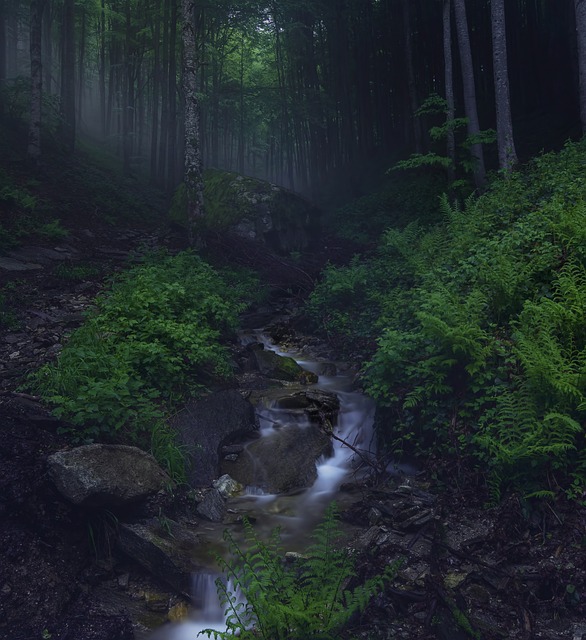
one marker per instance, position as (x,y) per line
(102,70)
(172,130)
(80,71)
(580,6)
(469,91)
(193,171)
(449,82)
(412,86)
(68,76)
(504,123)
(34,131)
(47,49)
(155,95)
(2,53)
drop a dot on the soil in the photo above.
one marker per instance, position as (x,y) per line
(513,571)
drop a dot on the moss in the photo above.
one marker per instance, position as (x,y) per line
(231,199)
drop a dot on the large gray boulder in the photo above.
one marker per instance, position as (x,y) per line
(105,475)
(281,462)
(205,426)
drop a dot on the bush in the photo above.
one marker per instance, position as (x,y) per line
(153,338)
(480,341)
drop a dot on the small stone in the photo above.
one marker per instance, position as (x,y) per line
(373,516)
(227,486)
(123,580)
(6,590)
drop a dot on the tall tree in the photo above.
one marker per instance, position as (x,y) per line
(68,75)
(580,7)
(193,167)
(504,123)
(469,91)
(34,131)
(412,85)
(2,53)
(449,82)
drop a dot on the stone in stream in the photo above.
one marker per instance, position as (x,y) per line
(278,367)
(283,461)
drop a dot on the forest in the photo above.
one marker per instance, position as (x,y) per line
(199,198)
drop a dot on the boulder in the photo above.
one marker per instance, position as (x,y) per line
(279,367)
(167,549)
(227,486)
(102,475)
(205,426)
(320,406)
(255,210)
(281,462)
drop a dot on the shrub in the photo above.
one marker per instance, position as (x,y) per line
(478,322)
(153,338)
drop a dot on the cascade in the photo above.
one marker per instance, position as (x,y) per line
(296,514)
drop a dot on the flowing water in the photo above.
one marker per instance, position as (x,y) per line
(295,514)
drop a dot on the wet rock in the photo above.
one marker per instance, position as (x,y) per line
(105,475)
(206,426)
(227,486)
(212,507)
(167,550)
(320,406)
(275,366)
(283,461)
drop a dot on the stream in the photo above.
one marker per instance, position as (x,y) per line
(297,512)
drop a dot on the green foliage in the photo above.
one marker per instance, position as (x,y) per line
(153,338)
(479,328)
(308,600)
(401,200)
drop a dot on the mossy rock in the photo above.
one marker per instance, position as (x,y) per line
(254,209)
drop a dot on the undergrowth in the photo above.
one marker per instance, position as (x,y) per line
(266,598)
(153,338)
(478,327)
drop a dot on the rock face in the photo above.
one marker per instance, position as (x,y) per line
(204,426)
(254,209)
(166,549)
(101,475)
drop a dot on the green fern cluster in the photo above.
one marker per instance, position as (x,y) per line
(480,333)
(308,600)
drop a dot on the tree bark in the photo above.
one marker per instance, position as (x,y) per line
(68,76)
(504,123)
(3,40)
(580,7)
(449,82)
(34,131)
(193,171)
(412,85)
(469,91)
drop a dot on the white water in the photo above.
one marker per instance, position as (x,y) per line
(298,513)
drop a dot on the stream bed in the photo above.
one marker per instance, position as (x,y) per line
(296,512)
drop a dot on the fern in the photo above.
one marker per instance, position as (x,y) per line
(300,602)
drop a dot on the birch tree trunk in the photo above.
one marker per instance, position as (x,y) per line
(193,172)
(580,6)
(34,131)
(469,91)
(449,82)
(504,123)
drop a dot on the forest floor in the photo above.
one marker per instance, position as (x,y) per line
(517,570)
